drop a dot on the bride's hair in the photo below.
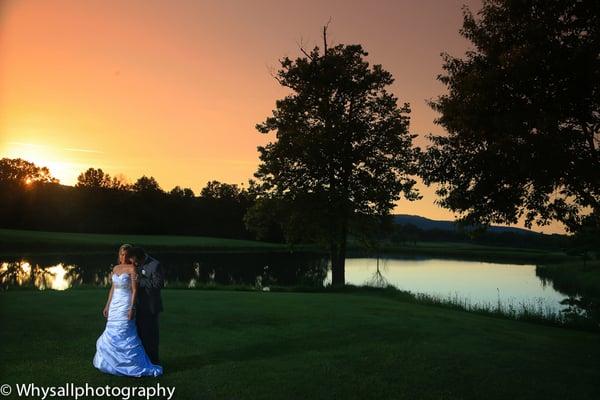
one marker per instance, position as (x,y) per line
(127,250)
(129,255)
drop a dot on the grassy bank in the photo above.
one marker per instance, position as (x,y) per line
(462,250)
(267,345)
(576,278)
(14,240)
(20,241)
(533,312)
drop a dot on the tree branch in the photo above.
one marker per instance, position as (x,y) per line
(301,47)
(325,36)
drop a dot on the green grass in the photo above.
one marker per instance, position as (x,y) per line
(12,239)
(286,345)
(17,241)
(464,250)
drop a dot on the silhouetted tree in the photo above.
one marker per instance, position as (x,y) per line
(262,216)
(97,179)
(523,116)
(176,191)
(586,242)
(146,185)
(94,178)
(17,170)
(343,147)
(219,190)
(263,219)
(182,193)
(371,232)
(119,182)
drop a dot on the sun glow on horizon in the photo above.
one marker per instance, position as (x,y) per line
(63,169)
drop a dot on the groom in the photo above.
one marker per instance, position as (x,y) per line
(149,301)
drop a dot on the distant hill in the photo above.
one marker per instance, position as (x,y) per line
(430,224)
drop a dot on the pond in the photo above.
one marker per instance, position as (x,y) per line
(473,282)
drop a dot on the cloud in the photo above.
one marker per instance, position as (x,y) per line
(82,150)
(74,149)
(27,144)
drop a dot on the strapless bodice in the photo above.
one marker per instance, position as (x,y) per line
(121,281)
(121,297)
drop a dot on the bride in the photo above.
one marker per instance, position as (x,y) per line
(119,350)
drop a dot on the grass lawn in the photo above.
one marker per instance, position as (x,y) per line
(18,241)
(464,250)
(286,345)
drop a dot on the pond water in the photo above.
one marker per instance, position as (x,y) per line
(474,282)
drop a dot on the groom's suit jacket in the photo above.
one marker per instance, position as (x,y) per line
(150,281)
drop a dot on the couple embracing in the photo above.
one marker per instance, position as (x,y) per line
(129,344)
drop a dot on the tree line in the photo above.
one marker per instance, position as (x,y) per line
(33,199)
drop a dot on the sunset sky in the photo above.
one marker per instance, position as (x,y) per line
(174,89)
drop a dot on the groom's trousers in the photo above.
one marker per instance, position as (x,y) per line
(147,327)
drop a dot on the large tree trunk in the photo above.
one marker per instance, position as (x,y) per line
(338,257)
(335,264)
(337,270)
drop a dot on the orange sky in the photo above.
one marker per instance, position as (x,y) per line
(173,89)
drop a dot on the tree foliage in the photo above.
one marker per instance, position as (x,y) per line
(94,178)
(342,146)
(97,179)
(522,114)
(219,190)
(147,185)
(186,193)
(17,170)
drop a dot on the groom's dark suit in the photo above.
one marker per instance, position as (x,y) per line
(149,304)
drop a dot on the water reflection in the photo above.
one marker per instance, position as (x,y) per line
(475,282)
(577,305)
(181,270)
(22,273)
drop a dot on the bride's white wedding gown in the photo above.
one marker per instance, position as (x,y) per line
(119,350)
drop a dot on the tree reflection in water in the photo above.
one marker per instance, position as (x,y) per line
(22,273)
(181,269)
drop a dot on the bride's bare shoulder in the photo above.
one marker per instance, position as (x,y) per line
(123,268)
